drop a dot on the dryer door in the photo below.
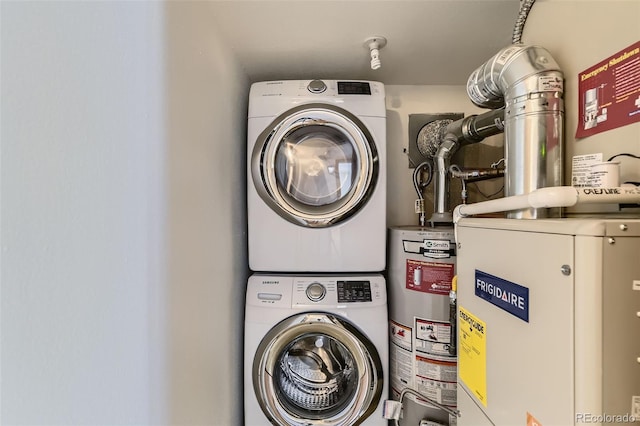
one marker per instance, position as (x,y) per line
(315,165)
(317,368)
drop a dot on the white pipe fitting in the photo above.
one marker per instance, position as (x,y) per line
(550,197)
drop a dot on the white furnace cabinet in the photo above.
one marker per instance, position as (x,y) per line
(548,322)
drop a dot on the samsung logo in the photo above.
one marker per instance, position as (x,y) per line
(508,296)
(271,282)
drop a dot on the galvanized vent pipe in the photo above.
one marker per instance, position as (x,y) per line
(471,129)
(528,82)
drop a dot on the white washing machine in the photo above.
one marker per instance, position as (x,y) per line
(316,350)
(316,181)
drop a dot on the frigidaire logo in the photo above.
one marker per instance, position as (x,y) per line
(506,295)
(499,293)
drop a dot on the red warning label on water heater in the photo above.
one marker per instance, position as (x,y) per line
(429,277)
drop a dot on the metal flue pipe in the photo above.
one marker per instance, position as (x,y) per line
(528,82)
(471,129)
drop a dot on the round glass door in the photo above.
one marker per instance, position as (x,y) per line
(317,376)
(316,367)
(315,165)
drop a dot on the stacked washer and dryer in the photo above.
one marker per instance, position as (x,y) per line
(316,329)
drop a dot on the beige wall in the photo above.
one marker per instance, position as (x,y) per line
(98,188)
(206,251)
(579,34)
(207,104)
(403,101)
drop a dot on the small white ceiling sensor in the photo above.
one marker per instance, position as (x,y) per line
(374,44)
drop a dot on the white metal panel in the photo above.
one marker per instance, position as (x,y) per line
(549,226)
(598,318)
(529,365)
(587,272)
(621,320)
(263,312)
(470,412)
(357,244)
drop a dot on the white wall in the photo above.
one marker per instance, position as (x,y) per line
(123,215)
(206,130)
(82,213)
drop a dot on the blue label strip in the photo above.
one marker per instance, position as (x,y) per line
(504,294)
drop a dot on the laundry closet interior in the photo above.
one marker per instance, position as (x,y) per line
(127,161)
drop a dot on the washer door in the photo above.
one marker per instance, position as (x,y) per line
(315,165)
(316,367)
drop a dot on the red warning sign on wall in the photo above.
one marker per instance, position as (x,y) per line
(429,277)
(609,93)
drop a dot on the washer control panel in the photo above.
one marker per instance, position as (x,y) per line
(354,291)
(316,291)
(338,291)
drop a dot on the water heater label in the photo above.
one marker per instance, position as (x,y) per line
(504,294)
(401,335)
(433,248)
(429,277)
(432,337)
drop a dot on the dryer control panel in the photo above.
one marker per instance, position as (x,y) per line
(354,88)
(359,97)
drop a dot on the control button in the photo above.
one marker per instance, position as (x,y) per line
(269,296)
(316,292)
(317,86)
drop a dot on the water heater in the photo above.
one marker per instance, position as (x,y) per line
(422,357)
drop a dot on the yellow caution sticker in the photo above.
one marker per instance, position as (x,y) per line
(472,355)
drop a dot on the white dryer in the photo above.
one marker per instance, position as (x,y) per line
(316,350)
(316,184)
